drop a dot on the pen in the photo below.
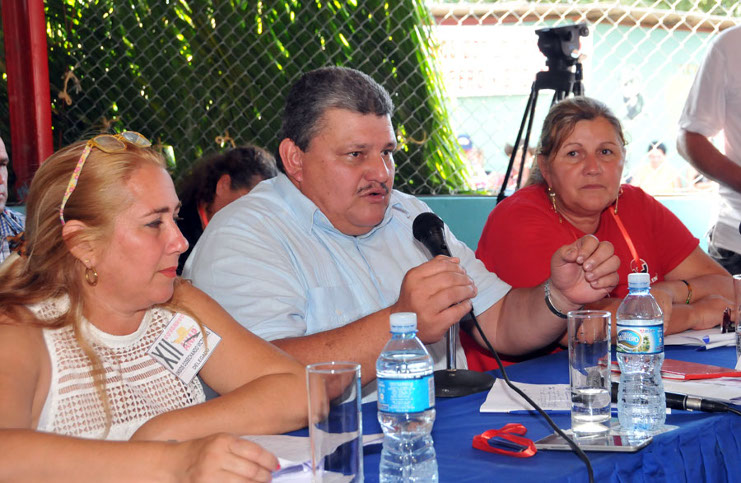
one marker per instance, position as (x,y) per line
(533,411)
(613,411)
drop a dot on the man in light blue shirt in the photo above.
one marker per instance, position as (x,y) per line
(317,258)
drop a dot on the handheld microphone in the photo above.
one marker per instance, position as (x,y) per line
(428,230)
(684,402)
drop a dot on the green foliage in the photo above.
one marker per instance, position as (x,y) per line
(184,72)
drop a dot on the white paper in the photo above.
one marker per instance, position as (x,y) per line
(708,338)
(294,453)
(725,389)
(550,397)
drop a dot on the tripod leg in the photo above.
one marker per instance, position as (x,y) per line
(526,142)
(529,109)
(559,95)
(578,87)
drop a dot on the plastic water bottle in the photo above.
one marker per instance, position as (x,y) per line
(640,353)
(406,405)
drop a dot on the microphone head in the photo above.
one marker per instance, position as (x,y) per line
(428,230)
(424,224)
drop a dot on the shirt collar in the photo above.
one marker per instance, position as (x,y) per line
(310,217)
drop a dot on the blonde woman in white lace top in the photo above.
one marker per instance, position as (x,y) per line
(99,340)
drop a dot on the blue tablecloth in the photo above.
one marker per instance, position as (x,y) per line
(705,447)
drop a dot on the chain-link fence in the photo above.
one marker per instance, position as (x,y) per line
(639,58)
(197,75)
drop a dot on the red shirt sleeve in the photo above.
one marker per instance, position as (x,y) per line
(520,237)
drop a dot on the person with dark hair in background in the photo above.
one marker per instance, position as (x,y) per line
(215,181)
(714,105)
(11,223)
(526,166)
(318,258)
(656,176)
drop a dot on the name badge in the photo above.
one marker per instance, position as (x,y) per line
(180,348)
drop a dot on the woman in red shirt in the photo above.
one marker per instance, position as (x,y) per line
(575,190)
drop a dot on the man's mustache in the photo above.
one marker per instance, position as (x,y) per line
(374,187)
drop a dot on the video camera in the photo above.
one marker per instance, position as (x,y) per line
(561,45)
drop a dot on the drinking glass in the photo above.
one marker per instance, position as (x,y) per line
(335,421)
(589,372)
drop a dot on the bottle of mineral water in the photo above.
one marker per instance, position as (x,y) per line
(406,405)
(640,353)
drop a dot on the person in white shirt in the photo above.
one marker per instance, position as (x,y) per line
(714,105)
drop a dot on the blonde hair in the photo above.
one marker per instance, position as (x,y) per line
(50,270)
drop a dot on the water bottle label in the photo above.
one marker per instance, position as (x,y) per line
(640,339)
(406,395)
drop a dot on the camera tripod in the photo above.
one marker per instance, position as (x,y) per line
(563,82)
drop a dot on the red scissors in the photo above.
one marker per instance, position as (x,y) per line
(511,435)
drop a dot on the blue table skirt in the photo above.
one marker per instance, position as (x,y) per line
(705,447)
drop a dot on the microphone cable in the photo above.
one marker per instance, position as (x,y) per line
(686,402)
(575,447)
(428,229)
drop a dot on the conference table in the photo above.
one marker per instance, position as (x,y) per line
(704,447)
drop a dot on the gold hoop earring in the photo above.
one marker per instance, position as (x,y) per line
(620,192)
(91,276)
(552,196)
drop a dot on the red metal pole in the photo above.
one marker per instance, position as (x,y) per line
(29,99)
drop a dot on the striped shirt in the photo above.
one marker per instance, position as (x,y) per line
(11,223)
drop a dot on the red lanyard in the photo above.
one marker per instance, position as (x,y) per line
(627,238)
(202,215)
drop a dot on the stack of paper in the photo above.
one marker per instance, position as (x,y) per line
(707,338)
(555,397)
(550,397)
(294,454)
(724,389)
(686,371)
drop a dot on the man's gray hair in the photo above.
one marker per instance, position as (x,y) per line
(327,88)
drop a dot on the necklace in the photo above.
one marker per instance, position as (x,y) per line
(636,264)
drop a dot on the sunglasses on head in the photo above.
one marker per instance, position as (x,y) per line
(108,143)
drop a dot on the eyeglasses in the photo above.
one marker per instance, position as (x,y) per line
(108,143)
(510,436)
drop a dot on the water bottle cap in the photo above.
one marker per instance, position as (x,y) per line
(403,322)
(639,280)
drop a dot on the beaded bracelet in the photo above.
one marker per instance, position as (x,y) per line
(689,292)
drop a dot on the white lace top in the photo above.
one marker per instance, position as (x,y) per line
(138,387)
